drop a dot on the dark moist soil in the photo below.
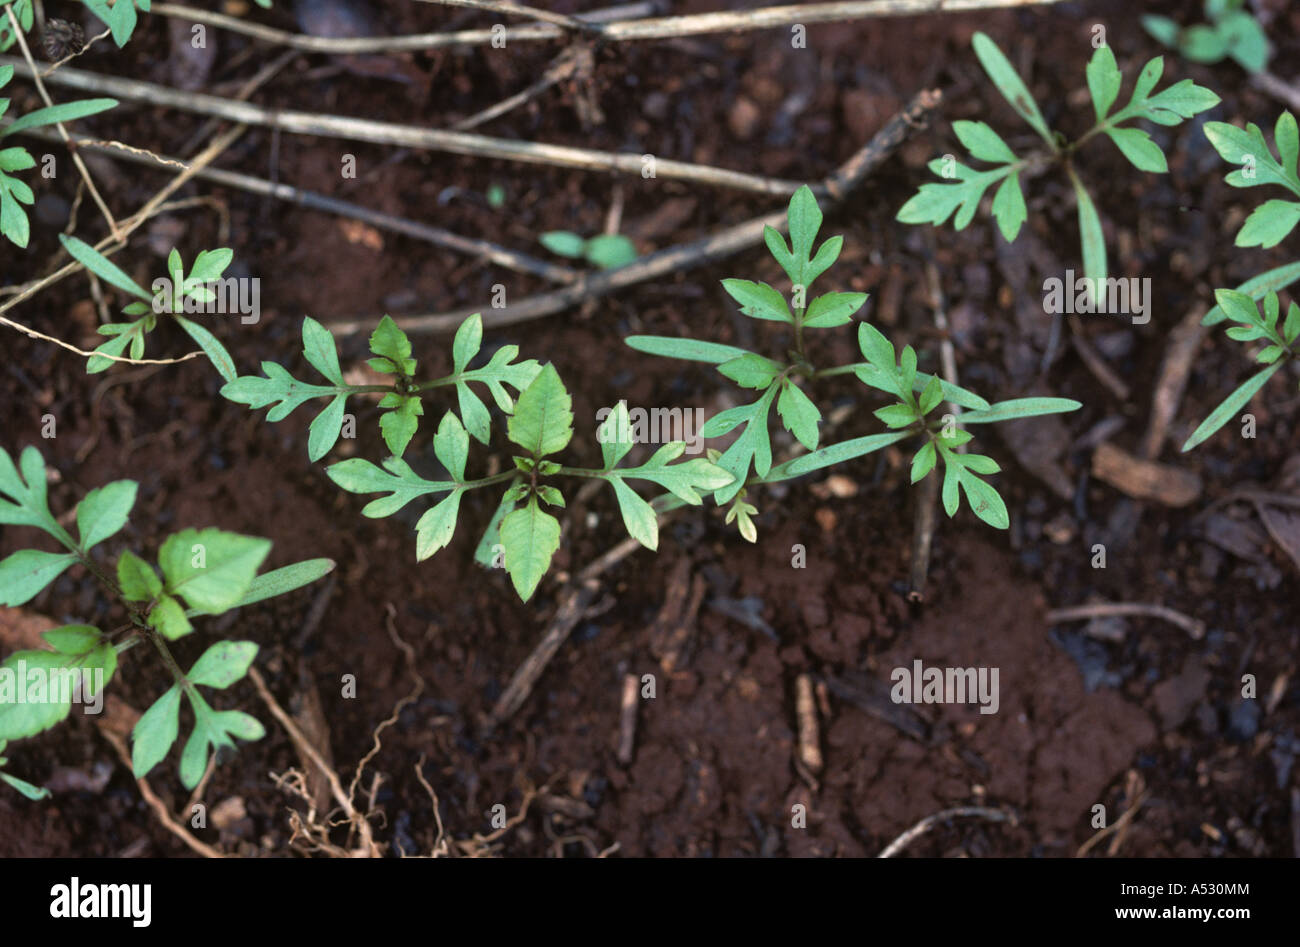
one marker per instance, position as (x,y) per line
(1145,715)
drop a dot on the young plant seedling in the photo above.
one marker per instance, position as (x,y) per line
(522,536)
(1267,226)
(177,295)
(781,382)
(1231,33)
(607,251)
(14,192)
(935,203)
(204,572)
(1250,326)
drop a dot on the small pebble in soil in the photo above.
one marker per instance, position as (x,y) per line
(1243,720)
(52,210)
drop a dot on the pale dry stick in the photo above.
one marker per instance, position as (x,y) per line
(627,720)
(1192,626)
(157,805)
(930,821)
(35,75)
(243,92)
(506,8)
(1121,822)
(810,753)
(669,27)
(1278,88)
(561,68)
(386,44)
(409,136)
(469,246)
(304,746)
(717,246)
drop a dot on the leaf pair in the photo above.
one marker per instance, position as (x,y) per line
(1273,220)
(1231,33)
(608,250)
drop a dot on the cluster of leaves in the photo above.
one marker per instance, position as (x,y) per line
(607,251)
(25,12)
(522,537)
(935,203)
(918,394)
(1230,33)
(14,192)
(188,294)
(1267,226)
(203,572)
(1240,308)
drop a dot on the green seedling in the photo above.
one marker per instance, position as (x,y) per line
(782,382)
(1230,33)
(935,203)
(522,537)
(181,293)
(199,573)
(608,250)
(1267,226)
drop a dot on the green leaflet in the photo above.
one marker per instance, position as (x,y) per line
(1231,405)
(530,538)
(683,480)
(103,511)
(1009,83)
(543,420)
(397,479)
(690,349)
(210,568)
(1273,221)
(753,445)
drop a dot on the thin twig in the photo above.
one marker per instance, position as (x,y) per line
(717,246)
(410,136)
(384,44)
(470,246)
(1115,826)
(517,9)
(622,30)
(1192,626)
(930,821)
